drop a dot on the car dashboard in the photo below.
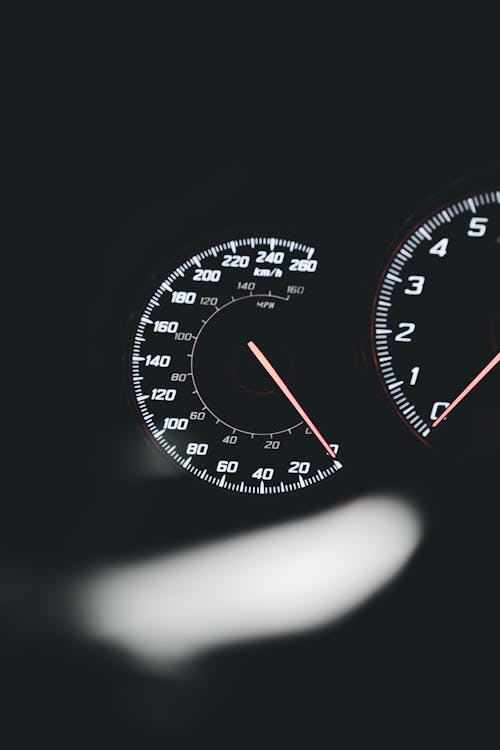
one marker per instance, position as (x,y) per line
(259,521)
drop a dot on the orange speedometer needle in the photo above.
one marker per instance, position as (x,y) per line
(284,388)
(468,389)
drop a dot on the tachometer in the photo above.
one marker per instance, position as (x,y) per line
(226,372)
(436,324)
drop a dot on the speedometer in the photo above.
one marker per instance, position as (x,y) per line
(227,375)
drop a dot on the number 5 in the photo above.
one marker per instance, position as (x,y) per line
(477,226)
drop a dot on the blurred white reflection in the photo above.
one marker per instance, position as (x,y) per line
(282,580)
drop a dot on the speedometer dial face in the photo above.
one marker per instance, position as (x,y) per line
(436,324)
(225,368)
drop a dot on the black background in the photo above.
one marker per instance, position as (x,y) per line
(117,134)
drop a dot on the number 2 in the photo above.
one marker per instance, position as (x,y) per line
(406,329)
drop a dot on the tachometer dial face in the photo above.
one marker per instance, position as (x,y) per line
(436,324)
(226,372)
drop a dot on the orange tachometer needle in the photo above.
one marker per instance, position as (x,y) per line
(284,388)
(468,389)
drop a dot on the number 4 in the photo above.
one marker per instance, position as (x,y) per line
(440,248)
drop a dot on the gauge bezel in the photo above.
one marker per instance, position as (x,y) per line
(163,269)
(459,190)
